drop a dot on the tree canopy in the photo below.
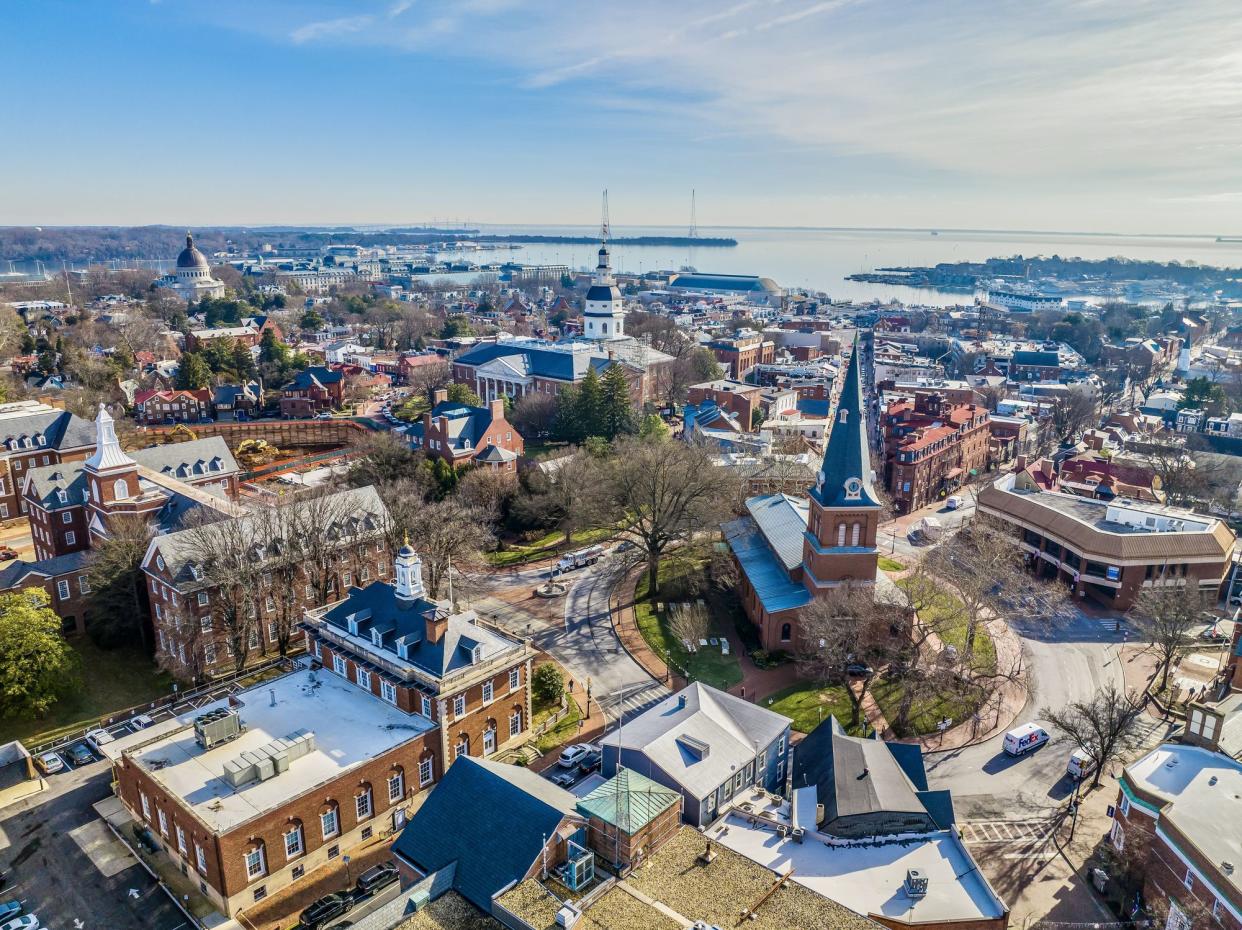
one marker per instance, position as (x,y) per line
(37,665)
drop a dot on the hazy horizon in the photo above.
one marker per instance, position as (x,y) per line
(1067,116)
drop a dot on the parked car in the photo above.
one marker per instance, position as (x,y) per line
(859,670)
(141,722)
(99,737)
(7,553)
(10,909)
(953,502)
(28,922)
(1025,738)
(49,763)
(329,907)
(377,877)
(79,755)
(565,778)
(1079,765)
(572,755)
(591,761)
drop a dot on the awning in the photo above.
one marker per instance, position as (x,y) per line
(952,473)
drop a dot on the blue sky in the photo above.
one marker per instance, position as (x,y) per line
(1093,115)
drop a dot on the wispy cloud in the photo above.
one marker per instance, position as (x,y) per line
(330,29)
(399,7)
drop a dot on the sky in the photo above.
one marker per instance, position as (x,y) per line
(1084,115)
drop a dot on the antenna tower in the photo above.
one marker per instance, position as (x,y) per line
(604,231)
(694,225)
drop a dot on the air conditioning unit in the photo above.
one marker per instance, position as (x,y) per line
(915,883)
(217,727)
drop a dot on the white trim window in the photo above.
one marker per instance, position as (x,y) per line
(1118,836)
(515,723)
(164,822)
(462,747)
(426,771)
(146,805)
(255,866)
(363,677)
(515,678)
(200,858)
(426,706)
(362,805)
(459,706)
(203,599)
(487,692)
(1125,805)
(330,824)
(180,838)
(388,691)
(293,842)
(489,741)
(338,666)
(396,787)
(62,590)
(71,538)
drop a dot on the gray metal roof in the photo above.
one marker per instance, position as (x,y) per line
(670,732)
(59,429)
(782,521)
(764,571)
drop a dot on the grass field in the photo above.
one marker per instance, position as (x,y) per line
(112,680)
(943,611)
(808,705)
(564,731)
(891,565)
(677,569)
(926,712)
(545,546)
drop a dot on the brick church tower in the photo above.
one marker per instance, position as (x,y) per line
(839,544)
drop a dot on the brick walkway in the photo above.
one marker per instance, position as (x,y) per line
(625,624)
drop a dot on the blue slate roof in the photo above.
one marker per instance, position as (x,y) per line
(847,455)
(544,360)
(306,379)
(782,521)
(465,424)
(1037,359)
(490,819)
(767,576)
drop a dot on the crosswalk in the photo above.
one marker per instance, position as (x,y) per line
(1007,832)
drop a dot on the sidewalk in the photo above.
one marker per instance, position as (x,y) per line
(593,724)
(625,624)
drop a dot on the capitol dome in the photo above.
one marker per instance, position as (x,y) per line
(191,257)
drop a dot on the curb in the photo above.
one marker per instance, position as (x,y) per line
(614,607)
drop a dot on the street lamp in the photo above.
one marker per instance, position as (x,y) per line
(345,859)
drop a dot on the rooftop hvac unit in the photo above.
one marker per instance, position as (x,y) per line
(269,760)
(916,883)
(567,916)
(216,727)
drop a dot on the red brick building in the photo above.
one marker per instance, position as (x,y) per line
(738,398)
(32,435)
(464,435)
(742,353)
(932,447)
(179,406)
(313,390)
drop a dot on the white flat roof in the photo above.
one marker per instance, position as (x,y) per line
(350,726)
(868,878)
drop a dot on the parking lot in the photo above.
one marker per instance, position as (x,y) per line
(583,770)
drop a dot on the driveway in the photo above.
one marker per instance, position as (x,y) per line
(65,865)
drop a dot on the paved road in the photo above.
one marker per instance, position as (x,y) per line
(1066,663)
(55,851)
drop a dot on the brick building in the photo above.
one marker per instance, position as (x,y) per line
(464,435)
(313,390)
(302,555)
(931,447)
(742,353)
(178,406)
(32,435)
(738,398)
(1176,822)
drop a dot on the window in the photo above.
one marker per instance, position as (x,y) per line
(365,575)
(253,639)
(260,893)
(459,706)
(462,748)
(1125,805)
(273,631)
(363,678)
(515,678)
(489,741)
(366,833)
(426,706)
(515,723)
(180,838)
(62,590)
(209,654)
(293,842)
(388,691)
(269,605)
(362,804)
(1188,881)
(84,585)
(120,489)
(146,805)
(338,665)
(66,517)
(164,823)
(254,863)
(1177,918)
(298,872)
(786,632)
(317,649)
(328,821)
(425,772)
(203,599)
(333,852)
(201,858)
(487,692)
(396,787)
(855,534)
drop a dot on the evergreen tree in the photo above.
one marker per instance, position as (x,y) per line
(566,425)
(243,362)
(617,416)
(37,665)
(193,373)
(591,405)
(463,394)
(654,428)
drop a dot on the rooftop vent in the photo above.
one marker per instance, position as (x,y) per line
(216,727)
(915,883)
(270,760)
(693,746)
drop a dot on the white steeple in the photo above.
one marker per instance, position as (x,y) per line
(604,314)
(108,452)
(408,583)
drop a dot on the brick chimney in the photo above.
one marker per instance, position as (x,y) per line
(498,409)
(1019,463)
(439,396)
(1046,466)
(436,625)
(427,430)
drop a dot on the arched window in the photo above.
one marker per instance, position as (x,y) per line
(605,329)
(120,490)
(840,534)
(786,632)
(855,533)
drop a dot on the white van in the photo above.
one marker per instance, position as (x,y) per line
(1025,738)
(1079,765)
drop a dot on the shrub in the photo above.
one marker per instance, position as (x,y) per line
(547,684)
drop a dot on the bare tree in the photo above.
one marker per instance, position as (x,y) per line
(448,535)
(844,639)
(1072,413)
(1103,727)
(689,623)
(426,379)
(659,493)
(533,415)
(224,558)
(1166,614)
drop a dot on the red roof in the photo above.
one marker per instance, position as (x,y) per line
(201,394)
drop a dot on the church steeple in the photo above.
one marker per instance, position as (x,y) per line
(844,478)
(408,583)
(108,453)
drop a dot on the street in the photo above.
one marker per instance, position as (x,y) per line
(65,865)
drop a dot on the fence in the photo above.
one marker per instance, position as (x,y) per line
(553,719)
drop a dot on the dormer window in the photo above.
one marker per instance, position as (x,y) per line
(377,638)
(476,655)
(403,649)
(353,625)
(62,496)
(196,571)
(42,440)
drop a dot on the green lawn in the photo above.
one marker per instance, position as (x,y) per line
(563,732)
(926,712)
(112,680)
(547,545)
(708,664)
(808,705)
(943,610)
(891,565)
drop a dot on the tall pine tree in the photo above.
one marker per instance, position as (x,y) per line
(591,405)
(193,372)
(617,416)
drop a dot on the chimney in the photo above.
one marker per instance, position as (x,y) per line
(436,625)
(1046,466)
(427,430)
(498,409)
(439,396)
(1019,463)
